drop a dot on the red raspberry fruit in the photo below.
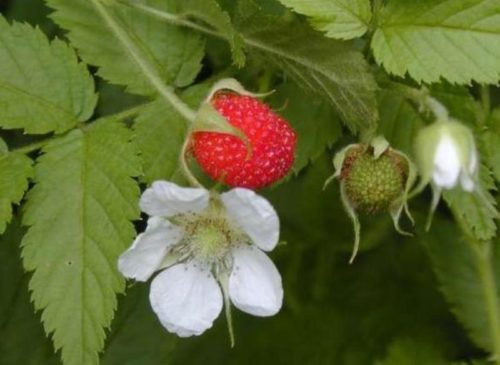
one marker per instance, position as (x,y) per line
(224,157)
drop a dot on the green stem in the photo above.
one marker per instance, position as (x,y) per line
(422,98)
(184,165)
(172,18)
(149,71)
(483,255)
(224,283)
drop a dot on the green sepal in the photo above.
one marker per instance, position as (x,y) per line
(338,162)
(402,205)
(379,145)
(436,196)
(356,225)
(208,119)
(233,85)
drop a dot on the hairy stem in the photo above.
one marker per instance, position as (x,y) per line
(422,98)
(149,71)
(483,260)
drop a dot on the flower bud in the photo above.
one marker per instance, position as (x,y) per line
(446,155)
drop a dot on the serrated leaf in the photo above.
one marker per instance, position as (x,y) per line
(340,19)
(79,215)
(468,274)
(15,171)
(43,87)
(210,12)
(478,208)
(428,39)
(331,69)
(174,54)
(313,119)
(23,340)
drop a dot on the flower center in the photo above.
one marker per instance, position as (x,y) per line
(209,241)
(209,236)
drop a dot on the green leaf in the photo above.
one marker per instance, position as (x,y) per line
(413,351)
(79,215)
(331,69)
(23,340)
(15,172)
(210,12)
(490,144)
(468,273)
(340,19)
(313,119)
(433,39)
(43,87)
(174,54)
(159,133)
(399,122)
(478,208)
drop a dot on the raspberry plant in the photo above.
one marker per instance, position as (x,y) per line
(101,98)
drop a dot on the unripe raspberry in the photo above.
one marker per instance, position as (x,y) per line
(373,184)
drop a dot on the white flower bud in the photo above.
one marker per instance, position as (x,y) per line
(447,156)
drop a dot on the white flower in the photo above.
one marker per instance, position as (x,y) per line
(208,245)
(450,167)
(447,155)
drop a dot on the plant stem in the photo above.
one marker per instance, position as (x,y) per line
(483,255)
(183,163)
(422,98)
(173,18)
(149,71)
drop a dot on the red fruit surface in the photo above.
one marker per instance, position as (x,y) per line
(224,157)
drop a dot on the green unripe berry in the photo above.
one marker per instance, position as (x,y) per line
(373,184)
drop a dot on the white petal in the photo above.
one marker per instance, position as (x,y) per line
(254,215)
(255,283)
(186,299)
(446,164)
(166,199)
(149,249)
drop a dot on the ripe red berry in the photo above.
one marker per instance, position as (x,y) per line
(225,158)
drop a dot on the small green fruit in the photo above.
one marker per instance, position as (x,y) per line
(373,184)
